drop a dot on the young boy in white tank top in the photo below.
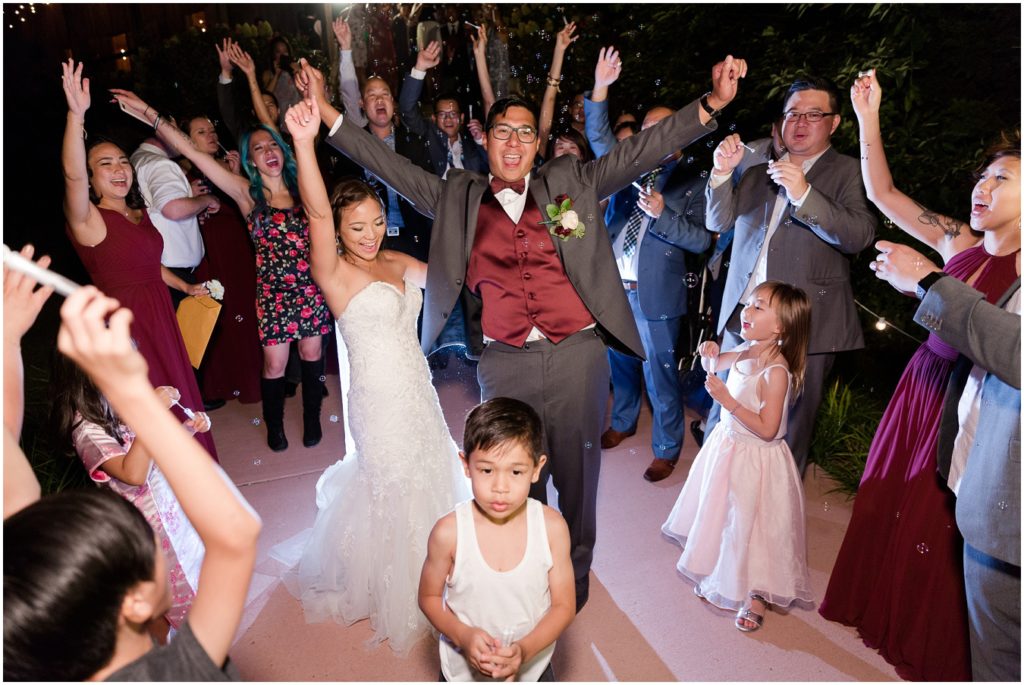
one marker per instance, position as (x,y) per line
(498,582)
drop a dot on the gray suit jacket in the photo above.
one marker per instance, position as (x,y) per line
(988,505)
(588,261)
(811,249)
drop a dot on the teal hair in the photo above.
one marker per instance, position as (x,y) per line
(291,173)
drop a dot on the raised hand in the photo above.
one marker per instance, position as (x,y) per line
(76,89)
(609,66)
(343,33)
(129,100)
(314,82)
(222,56)
(725,78)
(564,38)
(790,176)
(303,120)
(480,43)
(866,94)
(476,129)
(243,60)
(728,154)
(429,56)
(22,302)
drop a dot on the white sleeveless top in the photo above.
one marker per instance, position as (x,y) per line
(506,604)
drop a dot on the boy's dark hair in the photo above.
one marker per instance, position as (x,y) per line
(501,420)
(815,83)
(503,105)
(69,561)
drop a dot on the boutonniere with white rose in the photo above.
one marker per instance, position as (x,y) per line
(563,221)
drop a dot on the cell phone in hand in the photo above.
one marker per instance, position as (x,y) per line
(132,113)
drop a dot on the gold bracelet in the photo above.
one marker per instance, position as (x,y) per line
(554,83)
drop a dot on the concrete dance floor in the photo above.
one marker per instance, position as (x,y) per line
(642,622)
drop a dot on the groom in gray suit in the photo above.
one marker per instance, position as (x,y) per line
(979,445)
(798,220)
(541,293)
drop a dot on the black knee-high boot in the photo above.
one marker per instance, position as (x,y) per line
(312,397)
(273,412)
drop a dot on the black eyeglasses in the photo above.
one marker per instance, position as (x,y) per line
(526,134)
(812,117)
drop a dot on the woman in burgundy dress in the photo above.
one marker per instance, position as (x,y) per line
(120,248)
(899,575)
(289,305)
(233,359)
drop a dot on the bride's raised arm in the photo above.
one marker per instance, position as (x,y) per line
(303,122)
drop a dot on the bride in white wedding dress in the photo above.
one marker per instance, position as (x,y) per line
(376,507)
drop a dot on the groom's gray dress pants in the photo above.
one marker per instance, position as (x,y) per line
(567,385)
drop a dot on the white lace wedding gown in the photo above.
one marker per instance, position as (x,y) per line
(376,507)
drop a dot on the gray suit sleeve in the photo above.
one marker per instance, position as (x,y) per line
(640,153)
(419,187)
(842,220)
(987,335)
(720,206)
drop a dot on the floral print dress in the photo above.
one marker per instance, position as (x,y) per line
(289,305)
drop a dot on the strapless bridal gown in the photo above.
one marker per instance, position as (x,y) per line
(376,507)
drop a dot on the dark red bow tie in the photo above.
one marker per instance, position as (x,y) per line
(498,185)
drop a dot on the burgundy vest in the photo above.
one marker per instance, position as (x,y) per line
(516,271)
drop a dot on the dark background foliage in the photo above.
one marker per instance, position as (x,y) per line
(950,74)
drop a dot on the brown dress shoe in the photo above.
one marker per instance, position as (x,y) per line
(611,438)
(660,469)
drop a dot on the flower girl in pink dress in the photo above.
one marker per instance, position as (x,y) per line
(740,515)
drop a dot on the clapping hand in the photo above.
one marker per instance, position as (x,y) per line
(790,176)
(76,89)
(609,66)
(303,120)
(866,94)
(429,56)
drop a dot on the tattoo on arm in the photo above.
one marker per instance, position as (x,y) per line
(951,227)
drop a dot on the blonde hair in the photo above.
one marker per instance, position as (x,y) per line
(793,311)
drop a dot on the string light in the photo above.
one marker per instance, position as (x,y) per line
(882,324)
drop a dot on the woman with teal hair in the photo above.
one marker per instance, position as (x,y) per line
(289,305)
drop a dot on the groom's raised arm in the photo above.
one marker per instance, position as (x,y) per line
(640,153)
(421,188)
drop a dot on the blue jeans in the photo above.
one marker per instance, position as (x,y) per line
(661,377)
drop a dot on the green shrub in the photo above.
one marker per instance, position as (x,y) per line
(847,420)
